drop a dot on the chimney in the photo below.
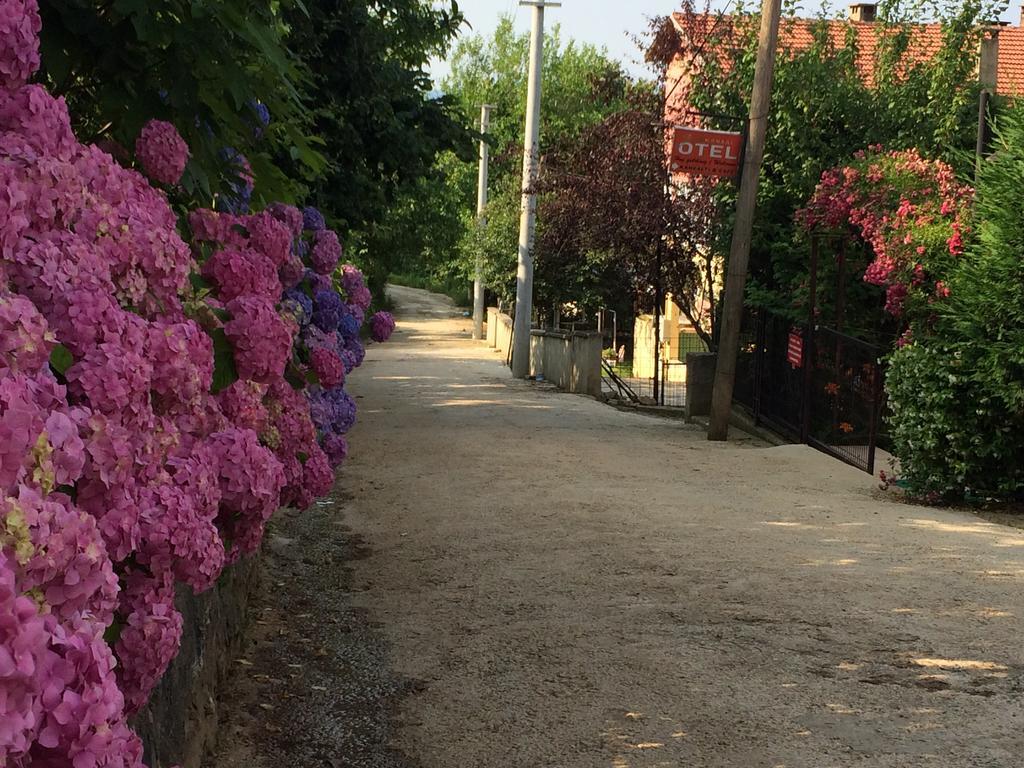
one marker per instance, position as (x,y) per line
(1021,22)
(868,12)
(988,61)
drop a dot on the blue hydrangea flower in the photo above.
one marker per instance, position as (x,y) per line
(239,199)
(326,310)
(349,325)
(262,115)
(304,303)
(332,410)
(357,350)
(312,219)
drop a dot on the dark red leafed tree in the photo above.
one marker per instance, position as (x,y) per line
(609,193)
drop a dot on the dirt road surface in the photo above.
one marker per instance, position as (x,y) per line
(558,584)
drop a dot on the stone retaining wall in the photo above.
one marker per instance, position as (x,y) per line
(180,722)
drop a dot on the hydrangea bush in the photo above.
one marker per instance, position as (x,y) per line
(159,400)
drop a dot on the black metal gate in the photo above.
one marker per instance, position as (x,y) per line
(814,385)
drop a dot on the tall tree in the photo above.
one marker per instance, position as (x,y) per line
(581,86)
(209,68)
(373,102)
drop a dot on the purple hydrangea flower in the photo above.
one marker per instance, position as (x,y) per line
(349,324)
(305,304)
(312,219)
(326,309)
(262,115)
(382,325)
(332,410)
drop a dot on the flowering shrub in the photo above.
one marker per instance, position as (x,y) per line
(957,392)
(154,411)
(912,212)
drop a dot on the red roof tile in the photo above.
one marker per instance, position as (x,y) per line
(797,34)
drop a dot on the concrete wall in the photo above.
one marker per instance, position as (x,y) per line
(701,367)
(503,334)
(570,361)
(179,724)
(536,355)
(674,325)
(492,326)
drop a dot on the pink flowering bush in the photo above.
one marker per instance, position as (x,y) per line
(162,152)
(956,386)
(382,325)
(159,400)
(911,212)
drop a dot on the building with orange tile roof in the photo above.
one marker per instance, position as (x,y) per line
(1000,58)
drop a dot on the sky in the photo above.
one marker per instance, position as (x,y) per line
(600,22)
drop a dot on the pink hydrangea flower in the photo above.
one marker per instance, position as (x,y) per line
(288,215)
(269,237)
(39,120)
(251,479)
(61,555)
(150,636)
(327,366)
(317,473)
(242,404)
(382,325)
(355,287)
(242,273)
(162,152)
(25,665)
(26,342)
(179,535)
(19,41)
(113,377)
(260,338)
(182,359)
(326,252)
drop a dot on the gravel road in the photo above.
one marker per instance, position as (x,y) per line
(550,582)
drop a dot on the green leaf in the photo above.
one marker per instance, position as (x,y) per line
(61,359)
(225,373)
(113,633)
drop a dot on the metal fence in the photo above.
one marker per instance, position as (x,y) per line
(844,398)
(618,379)
(812,385)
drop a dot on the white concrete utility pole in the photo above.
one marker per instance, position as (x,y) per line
(481,205)
(746,205)
(527,219)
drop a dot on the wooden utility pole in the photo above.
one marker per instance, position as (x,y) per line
(739,253)
(481,205)
(527,220)
(988,76)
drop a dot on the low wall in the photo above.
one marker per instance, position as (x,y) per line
(503,334)
(179,724)
(492,326)
(570,361)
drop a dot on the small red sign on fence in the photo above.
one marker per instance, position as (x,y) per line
(795,352)
(706,153)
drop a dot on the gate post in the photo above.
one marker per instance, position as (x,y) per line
(809,351)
